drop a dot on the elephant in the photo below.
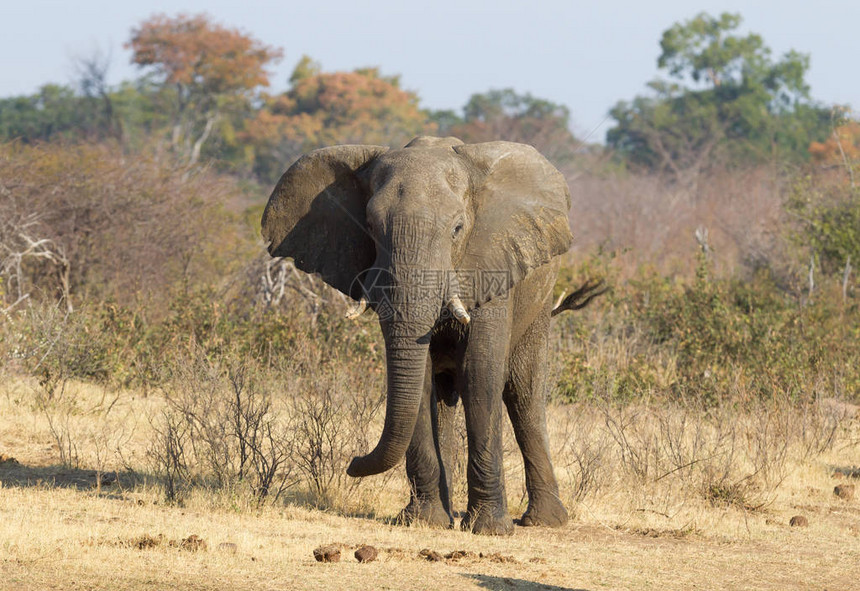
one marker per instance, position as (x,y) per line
(455,246)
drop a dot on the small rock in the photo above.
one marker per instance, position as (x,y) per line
(193,543)
(228,547)
(430,555)
(329,553)
(799,521)
(844,491)
(366,554)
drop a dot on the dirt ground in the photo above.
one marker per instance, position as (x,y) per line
(64,528)
(59,531)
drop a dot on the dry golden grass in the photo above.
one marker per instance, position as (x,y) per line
(60,530)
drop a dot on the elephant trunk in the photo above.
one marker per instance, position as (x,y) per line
(407,365)
(408,293)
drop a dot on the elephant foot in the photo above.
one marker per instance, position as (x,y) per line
(487,521)
(547,511)
(428,512)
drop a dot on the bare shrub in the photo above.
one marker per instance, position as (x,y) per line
(319,452)
(107,225)
(57,347)
(672,452)
(581,452)
(651,220)
(265,445)
(86,429)
(221,425)
(168,453)
(334,412)
(58,406)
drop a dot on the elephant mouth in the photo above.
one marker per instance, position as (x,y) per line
(396,300)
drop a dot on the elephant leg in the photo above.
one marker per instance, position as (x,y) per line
(481,383)
(446,407)
(525,399)
(430,501)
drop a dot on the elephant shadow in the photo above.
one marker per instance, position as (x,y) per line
(496,583)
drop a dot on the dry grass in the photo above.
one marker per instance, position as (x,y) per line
(60,528)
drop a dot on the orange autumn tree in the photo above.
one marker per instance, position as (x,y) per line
(842,148)
(205,70)
(321,109)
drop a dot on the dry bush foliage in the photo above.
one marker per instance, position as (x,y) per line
(652,221)
(230,425)
(117,227)
(669,453)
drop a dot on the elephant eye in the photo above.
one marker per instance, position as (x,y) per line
(457,229)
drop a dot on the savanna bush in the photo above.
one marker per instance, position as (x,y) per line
(129,226)
(712,339)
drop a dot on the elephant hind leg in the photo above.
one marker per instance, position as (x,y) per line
(525,399)
(429,479)
(446,399)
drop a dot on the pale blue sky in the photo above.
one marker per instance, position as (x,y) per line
(586,55)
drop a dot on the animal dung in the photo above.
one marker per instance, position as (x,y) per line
(430,555)
(844,491)
(366,554)
(193,543)
(330,553)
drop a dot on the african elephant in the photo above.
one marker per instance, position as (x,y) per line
(454,245)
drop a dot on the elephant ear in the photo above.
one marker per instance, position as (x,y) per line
(316,215)
(520,204)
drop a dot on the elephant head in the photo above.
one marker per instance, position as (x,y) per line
(434,227)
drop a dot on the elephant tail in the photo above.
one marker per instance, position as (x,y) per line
(581,297)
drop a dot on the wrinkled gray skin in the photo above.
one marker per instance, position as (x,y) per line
(410,229)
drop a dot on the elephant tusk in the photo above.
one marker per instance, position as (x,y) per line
(358,310)
(459,310)
(559,300)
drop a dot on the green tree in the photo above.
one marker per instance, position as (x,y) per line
(827,215)
(727,96)
(87,110)
(506,115)
(54,111)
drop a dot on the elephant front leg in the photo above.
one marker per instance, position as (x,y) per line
(430,500)
(482,382)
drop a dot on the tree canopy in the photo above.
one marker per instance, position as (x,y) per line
(727,99)
(723,99)
(507,115)
(209,70)
(324,108)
